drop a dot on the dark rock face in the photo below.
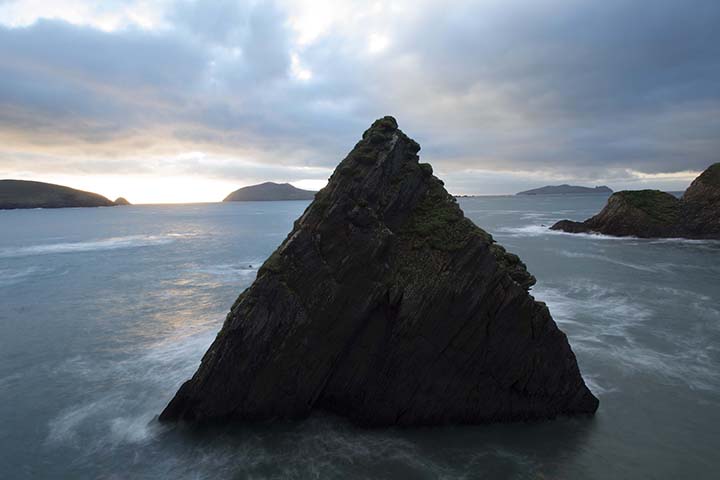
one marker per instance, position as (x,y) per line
(655,214)
(386,305)
(701,205)
(25,194)
(269,191)
(121,201)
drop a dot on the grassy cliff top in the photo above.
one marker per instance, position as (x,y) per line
(711,176)
(660,206)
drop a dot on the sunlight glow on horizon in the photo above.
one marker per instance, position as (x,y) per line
(181,101)
(152,189)
(180,189)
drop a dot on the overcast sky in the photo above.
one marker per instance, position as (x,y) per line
(179,100)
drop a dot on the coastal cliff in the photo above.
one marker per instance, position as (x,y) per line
(656,214)
(386,305)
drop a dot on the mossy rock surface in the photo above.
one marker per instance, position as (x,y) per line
(711,176)
(660,207)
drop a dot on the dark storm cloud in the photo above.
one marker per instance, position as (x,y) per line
(219,22)
(584,89)
(612,82)
(586,58)
(254,38)
(127,59)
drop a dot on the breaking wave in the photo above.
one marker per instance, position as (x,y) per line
(127,415)
(114,243)
(535,230)
(11,277)
(542,230)
(593,256)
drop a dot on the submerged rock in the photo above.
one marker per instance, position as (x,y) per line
(387,306)
(656,214)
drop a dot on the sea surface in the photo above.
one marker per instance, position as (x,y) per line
(104,312)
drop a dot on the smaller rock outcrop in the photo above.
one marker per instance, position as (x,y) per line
(26,194)
(121,201)
(656,214)
(268,192)
(566,190)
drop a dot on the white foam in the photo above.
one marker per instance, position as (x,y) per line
(597,386)
(526,231)
(706,245)
(244,269)
(11,277)
(7,382)
(126,414)
(113,243)
(129,429)
(616,315)
(604,258)
(535,230)
(63,428)
(683,294)
(534,215)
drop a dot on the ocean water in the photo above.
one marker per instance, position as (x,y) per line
(105,312)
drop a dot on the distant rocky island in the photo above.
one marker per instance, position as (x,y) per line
(386,305)
(565,190)
(656,214)
(269,191)
(15,194)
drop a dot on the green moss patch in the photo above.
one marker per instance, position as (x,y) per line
(438,222)
(661,207)
(711,176)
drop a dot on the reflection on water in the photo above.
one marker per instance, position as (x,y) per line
(105,312)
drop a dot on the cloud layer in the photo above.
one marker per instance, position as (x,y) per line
(500,94)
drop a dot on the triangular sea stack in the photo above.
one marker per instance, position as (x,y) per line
(387,306)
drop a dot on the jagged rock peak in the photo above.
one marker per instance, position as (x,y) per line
(386,305)
(707,184)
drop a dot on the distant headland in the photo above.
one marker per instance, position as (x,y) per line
(269,191)
(565,189)
(15,194)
